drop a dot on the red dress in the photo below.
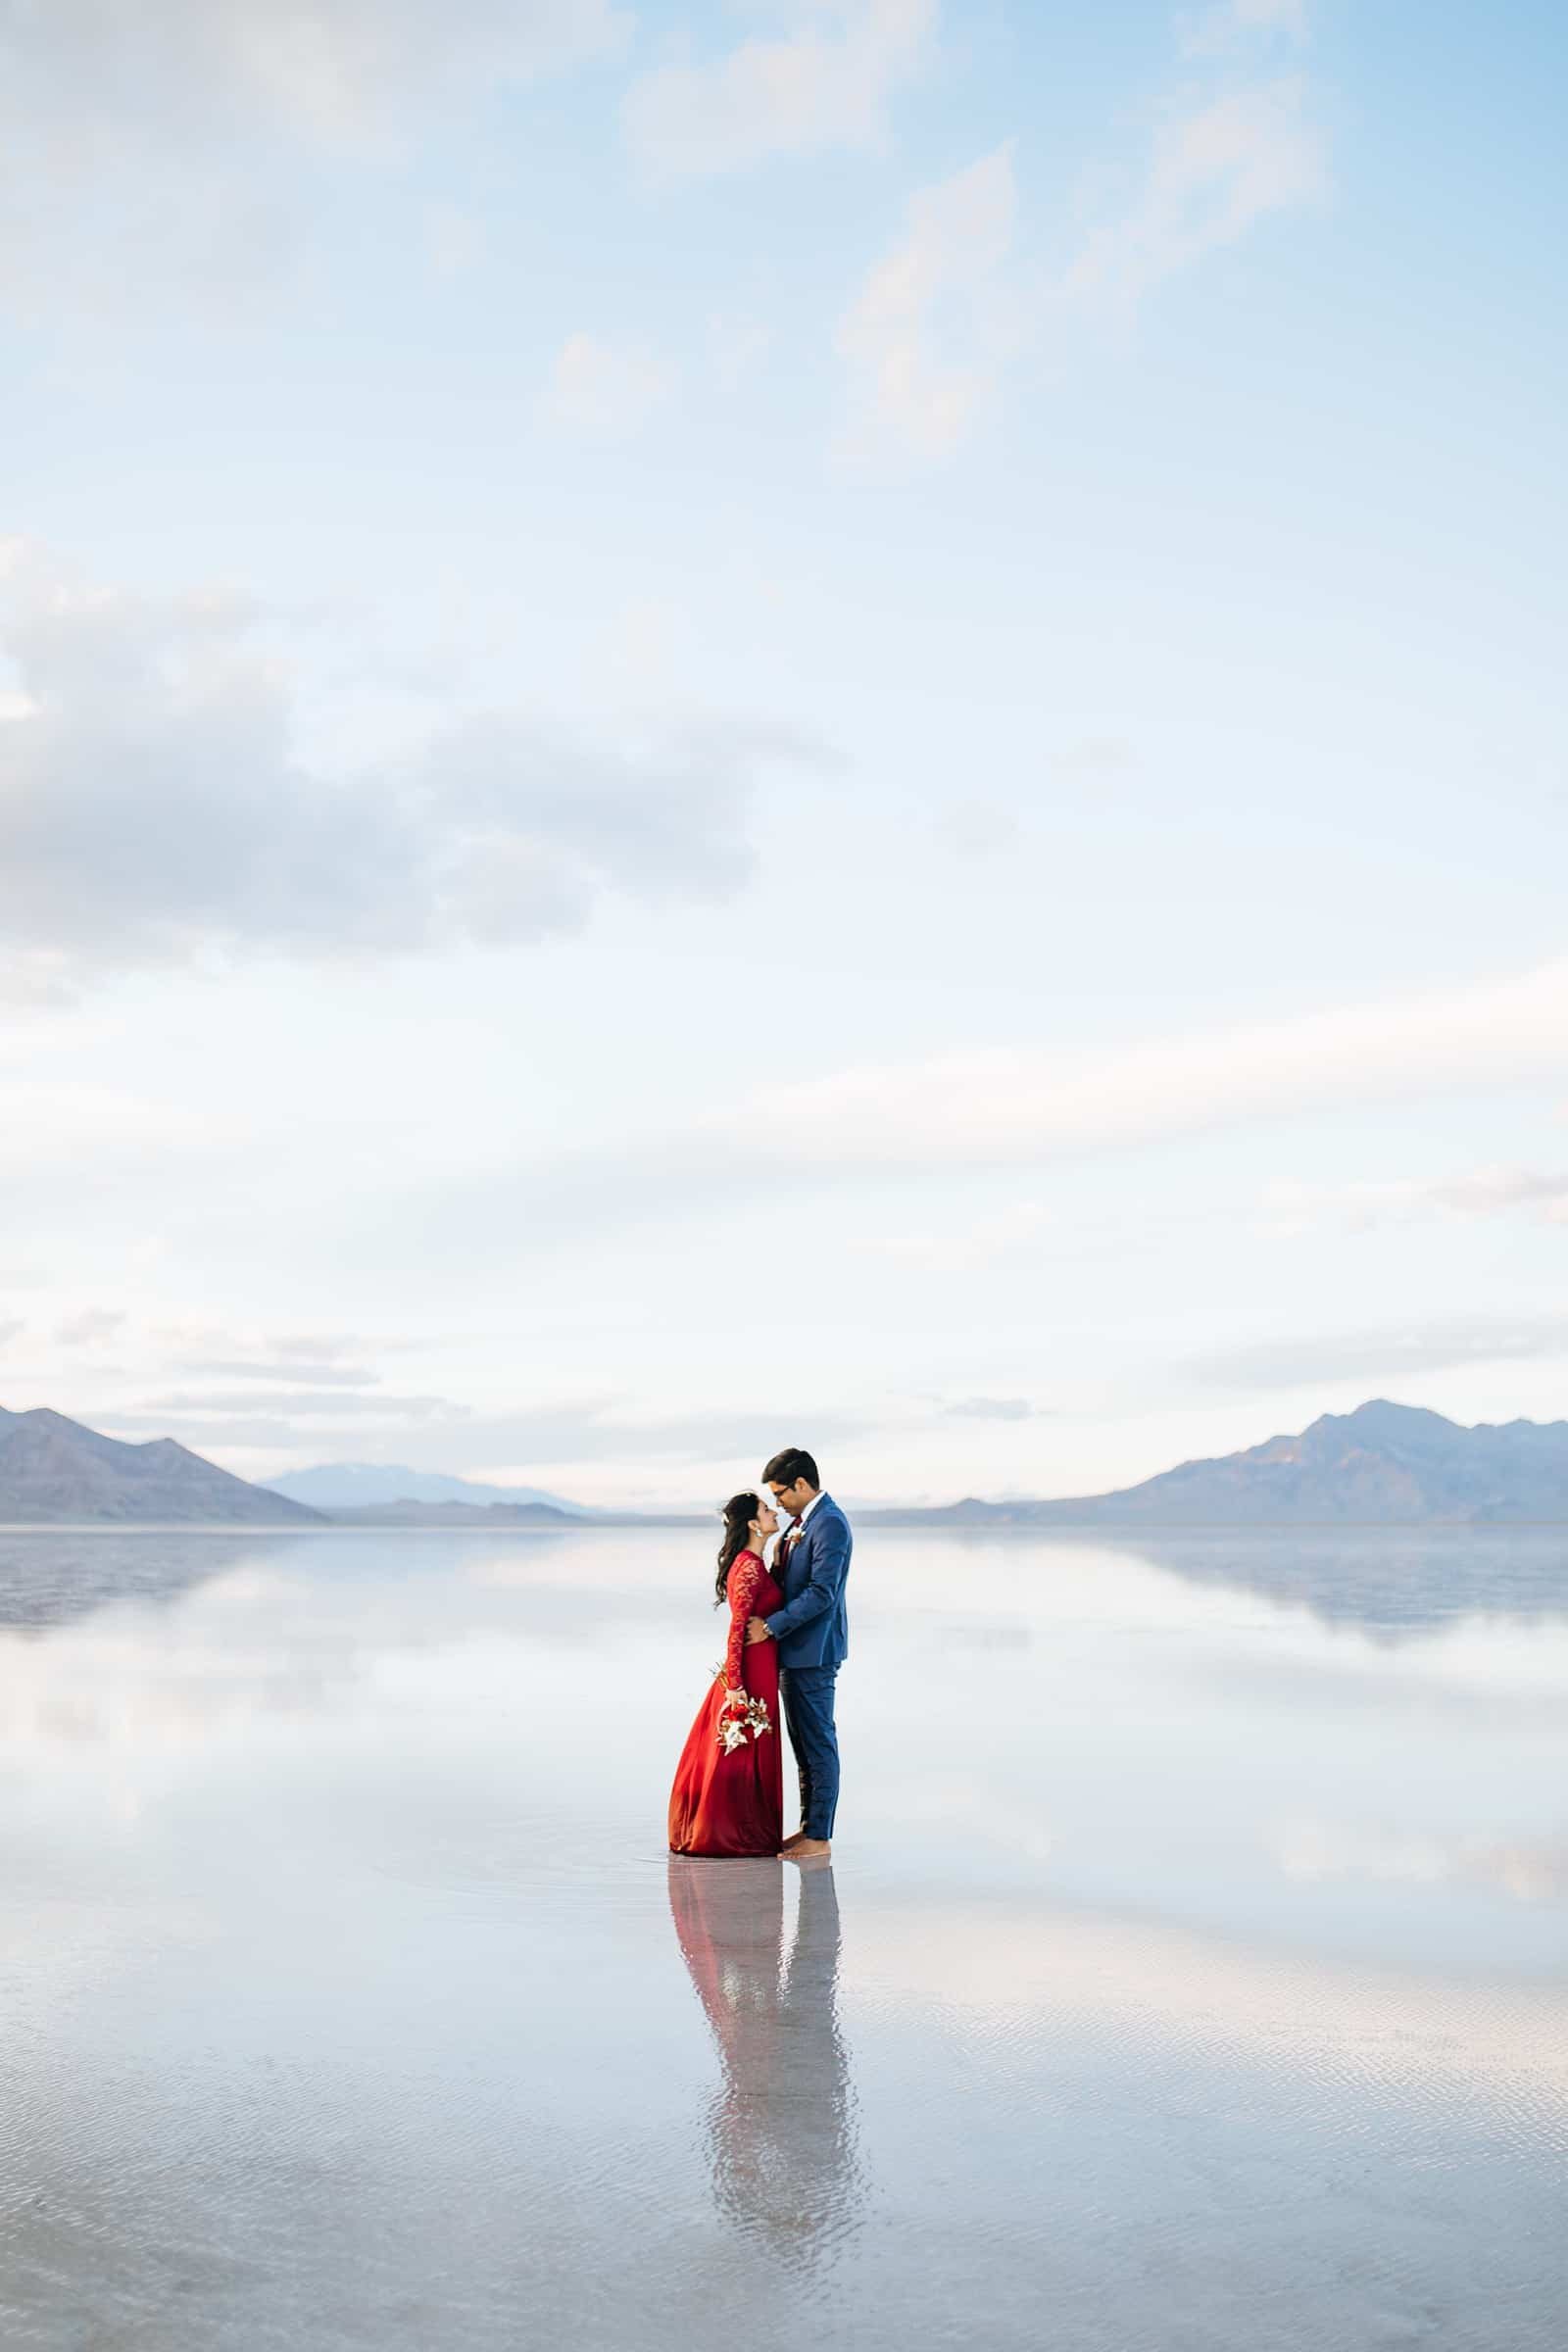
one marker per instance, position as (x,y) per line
(734,1803)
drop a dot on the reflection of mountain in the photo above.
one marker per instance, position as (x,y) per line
(1390,1580)
(52,1578)
(54,1470)
(781,2126)
(1384,1465)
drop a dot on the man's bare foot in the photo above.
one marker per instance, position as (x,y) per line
(807,1849)
(793,1839)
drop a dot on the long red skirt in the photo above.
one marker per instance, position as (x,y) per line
(733,1803)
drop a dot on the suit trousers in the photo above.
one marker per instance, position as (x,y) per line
(807,1696)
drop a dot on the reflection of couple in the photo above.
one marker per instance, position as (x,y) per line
(788,1636)
(781,2125)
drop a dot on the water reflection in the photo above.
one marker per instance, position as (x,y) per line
(51,1576)
(1393,1584)
(782,2144)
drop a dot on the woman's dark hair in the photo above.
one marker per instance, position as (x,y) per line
(739,1512)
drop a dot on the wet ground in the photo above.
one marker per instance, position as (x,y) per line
(1192,1971)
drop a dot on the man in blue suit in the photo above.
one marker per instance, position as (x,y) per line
(812,1633)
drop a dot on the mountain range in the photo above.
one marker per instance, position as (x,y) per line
(1383,1465)
(53,1470)
(365,1486)
(1393,1465)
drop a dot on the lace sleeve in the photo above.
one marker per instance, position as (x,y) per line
(744,1579)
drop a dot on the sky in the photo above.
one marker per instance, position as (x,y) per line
(738,724)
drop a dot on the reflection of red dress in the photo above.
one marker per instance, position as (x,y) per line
(734,1803)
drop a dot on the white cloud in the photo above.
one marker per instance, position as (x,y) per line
(606,391)
(1362,1208)
(824,82)
(155,806)
(1445,1344)
(105,1127)
(1271,16)
(926,337)
(453,240)
(937,322)
(991,1409)
(993,1108)
(736,349)
(194,69)
(90,1328)
(1011,1104)
(369,1408)
(994,1238)
(1214,172)
(155,149)
(284,1371)
(1239,23)
(436,1433)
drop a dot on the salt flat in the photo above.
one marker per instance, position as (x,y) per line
(1192,1971)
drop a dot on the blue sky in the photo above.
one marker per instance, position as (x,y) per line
(825,720)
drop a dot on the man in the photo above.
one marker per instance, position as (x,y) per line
(812,1633)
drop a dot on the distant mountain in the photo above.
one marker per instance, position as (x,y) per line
(499,1515)
(352,1486)
(54,1470)
(1390,1465)
(406,1513)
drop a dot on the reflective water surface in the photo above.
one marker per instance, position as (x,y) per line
(1192,1971)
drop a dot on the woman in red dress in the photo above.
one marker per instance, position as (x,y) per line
(730,1799)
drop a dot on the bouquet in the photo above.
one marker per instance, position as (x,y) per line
(740,1719)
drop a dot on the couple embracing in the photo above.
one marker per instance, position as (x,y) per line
(788,1636)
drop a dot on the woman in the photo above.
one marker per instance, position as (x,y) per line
(730,1799)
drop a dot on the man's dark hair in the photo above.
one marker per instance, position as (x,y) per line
(792,1464)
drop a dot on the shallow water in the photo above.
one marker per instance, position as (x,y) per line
(1192,1971)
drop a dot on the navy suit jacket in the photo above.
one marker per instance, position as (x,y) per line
(813,1628)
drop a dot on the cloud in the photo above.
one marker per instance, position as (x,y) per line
(994,1238)
(990,1108)
(331,67)
(99,1124)
(938,321)
(328,1348)
(90,1328)
(440,1435)
(736,349)
(10,1328)
(452,240)
(1213,173)
(978,828)
(1010,1105)
(282,1370)
(357,1403)
(825,82)
(1296,1209)
(1094,757)
(606,391)
(993,1408)
(1241,23)
(156,808)
(161,146)
(926,337)
(1440,1345)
